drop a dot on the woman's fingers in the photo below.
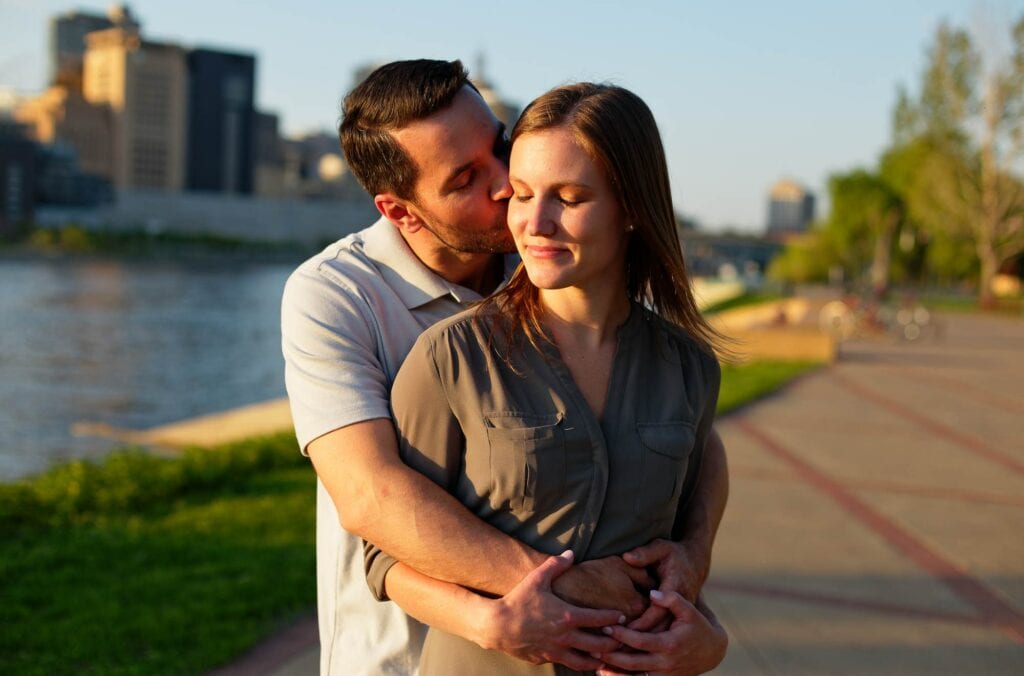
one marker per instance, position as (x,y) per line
(674,603)
(542,576)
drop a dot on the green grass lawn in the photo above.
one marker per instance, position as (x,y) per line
(145,565)
(176,585)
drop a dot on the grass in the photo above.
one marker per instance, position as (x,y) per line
(147,565)
(743,383)
(177,580)
(742,300)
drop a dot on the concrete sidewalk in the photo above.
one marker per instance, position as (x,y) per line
(875,520)
(876,513)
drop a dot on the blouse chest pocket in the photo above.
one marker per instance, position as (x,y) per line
(527,460)
(666,449)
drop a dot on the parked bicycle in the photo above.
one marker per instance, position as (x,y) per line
(854,316)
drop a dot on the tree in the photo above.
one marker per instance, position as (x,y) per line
(969,121)
(866,214)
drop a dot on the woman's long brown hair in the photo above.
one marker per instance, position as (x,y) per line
(617,129)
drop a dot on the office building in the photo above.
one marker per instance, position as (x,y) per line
(790,209)
(221,121)
(61,115)
(67,41)
(145,84)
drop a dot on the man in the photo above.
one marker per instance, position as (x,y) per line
(421,140)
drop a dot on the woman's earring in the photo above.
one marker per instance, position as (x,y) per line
(630,228)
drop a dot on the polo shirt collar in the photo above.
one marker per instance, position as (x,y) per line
(414,282)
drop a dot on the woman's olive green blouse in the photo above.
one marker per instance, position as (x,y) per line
(508,433)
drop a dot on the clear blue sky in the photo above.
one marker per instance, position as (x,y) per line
(745,92)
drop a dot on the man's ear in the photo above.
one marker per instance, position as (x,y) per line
(398,211)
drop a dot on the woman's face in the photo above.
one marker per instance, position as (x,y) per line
(568,226)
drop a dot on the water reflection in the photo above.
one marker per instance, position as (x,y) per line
(131,345)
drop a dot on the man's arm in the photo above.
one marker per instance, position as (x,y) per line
(382,500)
(529,623)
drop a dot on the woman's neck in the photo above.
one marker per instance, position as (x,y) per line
(585,317)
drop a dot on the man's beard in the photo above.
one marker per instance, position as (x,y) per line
(494,240)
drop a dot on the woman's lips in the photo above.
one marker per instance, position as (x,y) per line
(545,251)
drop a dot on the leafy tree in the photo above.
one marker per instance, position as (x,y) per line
(866,214)
(965,136)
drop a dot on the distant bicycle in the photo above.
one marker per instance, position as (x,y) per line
(854,317)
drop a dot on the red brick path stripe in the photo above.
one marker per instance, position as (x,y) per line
(977,446)
(892,487)
(817,598)
(987,603)
(976,393)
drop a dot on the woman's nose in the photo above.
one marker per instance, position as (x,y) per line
(540,223)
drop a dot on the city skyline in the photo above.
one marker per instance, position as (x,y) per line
(791,91)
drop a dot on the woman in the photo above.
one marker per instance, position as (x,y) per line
(570,410)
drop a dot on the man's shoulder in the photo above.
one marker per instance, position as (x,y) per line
(343,263)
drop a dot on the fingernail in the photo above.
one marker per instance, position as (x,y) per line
(655,594)
(596,656)
(622,619)
(567,554)
(607,630)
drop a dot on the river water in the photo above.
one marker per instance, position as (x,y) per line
(128,344)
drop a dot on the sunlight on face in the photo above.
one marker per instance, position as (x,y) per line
(567,223)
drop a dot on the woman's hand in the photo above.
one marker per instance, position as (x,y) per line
(532,624)
(694,643)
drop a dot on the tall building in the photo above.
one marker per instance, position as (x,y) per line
(17,169)
(221,121)
(145,85)
(61,115)
(67,41)
(790,208)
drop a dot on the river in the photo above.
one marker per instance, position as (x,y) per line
(129,344)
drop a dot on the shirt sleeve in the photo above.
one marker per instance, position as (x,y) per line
(430,439)
(333,373)
(711,374)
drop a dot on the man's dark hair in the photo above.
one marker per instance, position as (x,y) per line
(391,97)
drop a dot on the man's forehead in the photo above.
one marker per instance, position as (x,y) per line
(451,136)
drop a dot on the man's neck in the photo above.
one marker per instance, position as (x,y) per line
(480,272)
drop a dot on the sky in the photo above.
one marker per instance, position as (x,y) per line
(745,92)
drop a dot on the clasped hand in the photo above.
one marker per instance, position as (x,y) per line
(555,613)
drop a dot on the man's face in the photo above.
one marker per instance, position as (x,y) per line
(461,192)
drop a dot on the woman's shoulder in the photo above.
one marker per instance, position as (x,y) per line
(681,341)
(462,331)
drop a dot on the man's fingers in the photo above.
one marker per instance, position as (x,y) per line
(633,662)
(651,618)
(590,618)
(553,566)
(574,660)
(640,640)
(646,555)
(640,577)
(588,642)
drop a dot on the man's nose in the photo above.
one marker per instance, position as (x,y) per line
(501,189)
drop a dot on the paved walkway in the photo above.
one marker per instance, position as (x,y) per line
(876,513)
(875,520)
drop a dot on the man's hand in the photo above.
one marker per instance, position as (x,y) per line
(679,567)
(694,643)
(532,624)
(606,583)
